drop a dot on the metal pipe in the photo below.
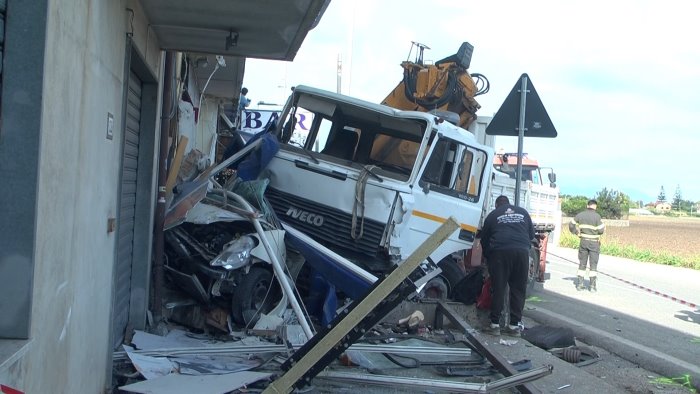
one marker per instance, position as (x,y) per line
(282,278)
(253,145)
(159,237)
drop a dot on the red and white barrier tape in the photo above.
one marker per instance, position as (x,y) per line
(658,293)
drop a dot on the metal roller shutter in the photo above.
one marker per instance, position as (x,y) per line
(3,7)
(127,210)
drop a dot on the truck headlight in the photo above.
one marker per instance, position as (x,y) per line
(236,254)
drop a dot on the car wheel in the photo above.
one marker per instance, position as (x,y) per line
(255,294)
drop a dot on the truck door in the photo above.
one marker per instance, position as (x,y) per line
(452,182)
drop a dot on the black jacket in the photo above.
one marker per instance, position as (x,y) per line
(587,225)
(507,227)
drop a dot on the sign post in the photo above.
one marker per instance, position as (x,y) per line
(521,137)
(516,118)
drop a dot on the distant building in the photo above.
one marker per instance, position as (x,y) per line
(663,207)
(640,212)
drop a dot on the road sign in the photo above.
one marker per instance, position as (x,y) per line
(537,122)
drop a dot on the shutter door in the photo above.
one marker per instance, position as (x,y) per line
(3,7)
(127,210)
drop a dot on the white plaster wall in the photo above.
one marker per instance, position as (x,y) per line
(79,177)
(186,123)
(206,126)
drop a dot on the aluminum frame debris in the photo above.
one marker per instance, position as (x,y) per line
(451,386)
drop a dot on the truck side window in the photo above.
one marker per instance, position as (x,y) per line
(536,177)
(455,169)
(321,134)
(435,170)
(462,178)
(471,173)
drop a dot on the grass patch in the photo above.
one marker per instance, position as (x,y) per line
(612,248)
(684,381)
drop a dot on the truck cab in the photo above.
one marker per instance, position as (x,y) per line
(371,182)
(507,163)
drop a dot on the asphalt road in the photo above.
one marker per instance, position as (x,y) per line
(632,315)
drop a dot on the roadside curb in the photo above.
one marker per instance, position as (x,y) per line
(653,360)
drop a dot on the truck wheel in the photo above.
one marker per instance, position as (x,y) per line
(534,270)
(452,273)
(254,296)
(441,286)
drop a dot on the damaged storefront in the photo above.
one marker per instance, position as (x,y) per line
(244,300)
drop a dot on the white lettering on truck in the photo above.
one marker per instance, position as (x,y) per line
(308,217)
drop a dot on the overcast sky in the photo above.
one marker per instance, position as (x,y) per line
(620,79)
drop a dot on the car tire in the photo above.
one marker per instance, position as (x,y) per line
(255,294)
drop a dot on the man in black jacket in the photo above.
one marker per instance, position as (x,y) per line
(589,227)
(506,238)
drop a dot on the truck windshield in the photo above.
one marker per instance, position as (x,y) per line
(530,173)
(346,134)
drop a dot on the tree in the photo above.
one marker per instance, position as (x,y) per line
(571,205)
(677,198)
(613,204)
(662,195)
(687,206)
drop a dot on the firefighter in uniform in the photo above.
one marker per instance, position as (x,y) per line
(589,227)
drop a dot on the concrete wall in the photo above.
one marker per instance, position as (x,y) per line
(206,126)
(78,182)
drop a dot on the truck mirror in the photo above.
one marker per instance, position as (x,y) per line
(552,177)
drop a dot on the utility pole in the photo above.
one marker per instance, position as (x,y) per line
(340,74)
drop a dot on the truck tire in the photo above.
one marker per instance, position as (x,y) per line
(441,286)
(533,272)
(255,294)
(452,274)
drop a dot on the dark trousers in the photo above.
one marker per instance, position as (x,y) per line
(588,252)
(508,267)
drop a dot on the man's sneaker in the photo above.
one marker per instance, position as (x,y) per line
(492,329)
(512,331)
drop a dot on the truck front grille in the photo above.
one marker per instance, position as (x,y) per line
(328,226)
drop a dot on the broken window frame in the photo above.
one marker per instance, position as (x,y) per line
(450,170)
(321,133)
